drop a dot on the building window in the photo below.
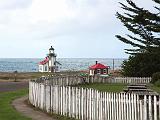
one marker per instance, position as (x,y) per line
(104,71)
(45,68)
(40,68)
(98,71)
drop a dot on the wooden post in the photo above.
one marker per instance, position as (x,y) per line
(159,107)
(82,110)
(135,106)
(155,108)
(145,107)
(150,108)
(141,110)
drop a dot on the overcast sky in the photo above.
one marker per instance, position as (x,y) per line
(76,28)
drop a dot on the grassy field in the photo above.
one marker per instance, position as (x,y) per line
(31,75)
(105,87)
(114,87)
(7,112)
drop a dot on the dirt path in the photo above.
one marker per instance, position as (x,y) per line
(26,110)
(12,86)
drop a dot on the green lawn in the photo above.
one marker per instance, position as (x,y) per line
(105,87)
(114,87)
(7,112)
(154,87)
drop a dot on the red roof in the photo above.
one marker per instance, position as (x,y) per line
(98,66)
(44,61)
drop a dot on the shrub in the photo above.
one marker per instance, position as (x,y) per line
(156,78)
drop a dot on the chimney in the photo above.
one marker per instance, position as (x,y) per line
(96,62)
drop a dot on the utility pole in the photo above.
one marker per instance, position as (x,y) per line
(113,64)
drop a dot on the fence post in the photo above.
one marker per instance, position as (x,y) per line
(159,106)
(150,108)
(141,110)
(145,107)
(155,108)
(82,110)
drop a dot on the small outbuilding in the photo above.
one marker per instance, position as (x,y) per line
(98,68)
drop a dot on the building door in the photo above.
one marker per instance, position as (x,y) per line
(52,69)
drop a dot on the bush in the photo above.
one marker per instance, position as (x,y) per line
(156,78)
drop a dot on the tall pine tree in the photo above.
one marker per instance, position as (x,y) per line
(144,25)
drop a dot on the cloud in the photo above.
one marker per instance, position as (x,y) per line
(14,4)
(68,22)
(55,17)
(71,17)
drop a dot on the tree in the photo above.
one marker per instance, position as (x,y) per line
(144,25)
(141,65)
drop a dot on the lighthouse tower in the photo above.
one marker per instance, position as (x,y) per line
(49,64)
(52,60)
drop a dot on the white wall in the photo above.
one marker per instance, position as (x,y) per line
(42,68)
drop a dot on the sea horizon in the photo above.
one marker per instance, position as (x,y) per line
(70,64)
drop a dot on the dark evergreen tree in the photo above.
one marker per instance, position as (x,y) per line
(141,65)
(144,25)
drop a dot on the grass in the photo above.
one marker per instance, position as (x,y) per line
(105,87)
(114,87)
(155,88)
(7,112)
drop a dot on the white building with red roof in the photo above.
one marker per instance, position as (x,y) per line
(98,68)
(49,64)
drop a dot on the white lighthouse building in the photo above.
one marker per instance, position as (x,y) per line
(49,64)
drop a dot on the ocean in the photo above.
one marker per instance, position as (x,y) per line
(31,64)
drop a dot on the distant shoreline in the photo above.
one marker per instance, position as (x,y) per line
(71,64)
(25,76)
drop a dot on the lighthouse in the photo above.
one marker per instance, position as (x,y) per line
(52,60)
(49,64)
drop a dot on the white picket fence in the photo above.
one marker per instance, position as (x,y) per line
(74,80)
(125,80)
(90,104)
(134,80)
